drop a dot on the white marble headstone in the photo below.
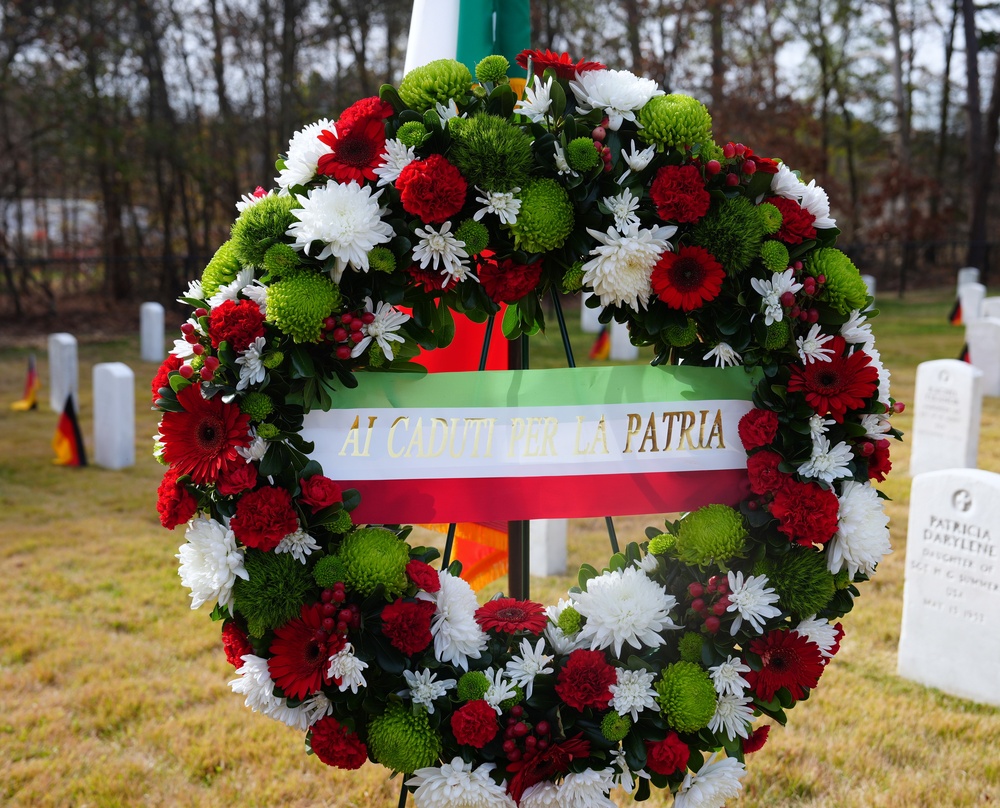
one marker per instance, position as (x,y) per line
(983,339)
(622,349)
(64,372)
(947,405)
(114,415)
(971,297)
(547,553)
(870,285)
(990,307)
(589,323)
(151,317)
(951,596)
(967,275)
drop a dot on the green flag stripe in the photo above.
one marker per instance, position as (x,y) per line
(476,36)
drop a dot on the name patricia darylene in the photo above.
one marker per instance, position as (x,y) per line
(960,535)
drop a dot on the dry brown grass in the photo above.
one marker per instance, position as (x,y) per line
(113,692)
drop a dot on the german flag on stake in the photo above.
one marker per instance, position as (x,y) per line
(601,349)
(29,401)
(955,316)
(68,442)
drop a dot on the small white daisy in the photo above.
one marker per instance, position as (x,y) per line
(826,463)
(194,292)
(818,426)
(388,320)
(440,250)
(726,676)
(561,642)
(395,158)
(724,356)
(348,669)
(536,102)
(252,370)
(812,346)
(255,451)
(633,692)
(857,330)
(254,681)
(752,601)
(504,204)
(771,292)
(531,662)
(587,789)
(425,687)
(636,160)
(500,689)
(562,166)
(732,715)
(447,111)
(257,292)
(623,207)
(459,784)
(876,426)
(815,200)
(624,776)
(299,543)
(231,290)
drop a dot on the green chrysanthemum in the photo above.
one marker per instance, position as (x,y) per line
(581,154)
(680,336)
(329,570)
(412,133)
(801,579)
(472,685)
(689,646)
(572,281)
(712,533)
(569,621)
(844,289)
(437,82)
(774,254)
(375,556)
(662,544)
(299,304)
(456,125)
(778,334)
(771,217)
(732,231)
(381,259)
(340,523)
(402,740)
(493,69)
(268,431)
(272,359)
(262,225)
(686,696)
(675,120)
(474,234)
(614,727)
(280,260)
(546,217)
(222,269)
(277,587)
(257,405)
(491,153)
(842,579)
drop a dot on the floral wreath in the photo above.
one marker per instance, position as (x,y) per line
(452,194)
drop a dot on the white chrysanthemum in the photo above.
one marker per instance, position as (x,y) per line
(255,451)
(818,630)
(725,356)
(815,200)
(447,111)
(231,290)
(346,219)
(194,292)
(587,789)
(818,426)
(786,184)
(827,463)
(523,668)
(249,200)
(304,150)
(541,795)
(504,204)
(619,93)
(424,687)
(649,563)
(299,543)
(771,292)
(388,320)
(210,562)
(348,669)
(440,250)
(812,347)
(862,536)
(716,781)
(562,165)
(732,715)
(457,635)
(623,263)
(254,682)
(561,642)
(636,160)
(858,331)
(633,692)
(624,607)
(624,776)
(182,349)
(751,599)
(499,690)
(257,292)
(726,676)
(252,370)
(875,425)
(883,374)
(458,785)
(316,707)
(623,207)
(536,102)
(395,158)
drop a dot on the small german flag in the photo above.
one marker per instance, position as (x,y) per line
(68,442)
(964,355)
(482,549)
(29,401)
(601,349)
(955,316)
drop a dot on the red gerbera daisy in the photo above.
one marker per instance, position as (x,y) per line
(203,438)
(836,386)
(562,63)
(509,616)
(790,660)
(300,653)
(355,149)
(687,278)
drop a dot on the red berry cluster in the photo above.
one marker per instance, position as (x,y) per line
(740,162)
(710,601)
(599,133)
(801,307)
(191,335)
(521,739)
(346,331)
(335,616)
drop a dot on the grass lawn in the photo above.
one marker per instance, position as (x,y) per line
(113,692)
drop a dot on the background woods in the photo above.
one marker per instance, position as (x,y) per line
(129,129)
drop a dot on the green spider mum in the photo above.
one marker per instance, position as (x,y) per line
(437,82)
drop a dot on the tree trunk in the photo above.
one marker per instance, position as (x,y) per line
(976,252)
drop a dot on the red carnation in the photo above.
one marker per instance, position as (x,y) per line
(236,643)
(175,504)
(562,63)
(585,680)
(879,464)
(299,662)
(407,624)
(236,322)
(423,575)
(336,745)
(841,384)
(756,740)
(507,281)
(836,644)
(427,280)
(508,616)
(679,194)
(236,479)
(203,438)
(432,189)
(789,660)
(544,764)
(264,517)
(762,468)
(667,756)
(474,724)
(796,221)
(162,377)
(372,107)
(806,513)
(758,428)
(687,278)
(357,142)
(319,492)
